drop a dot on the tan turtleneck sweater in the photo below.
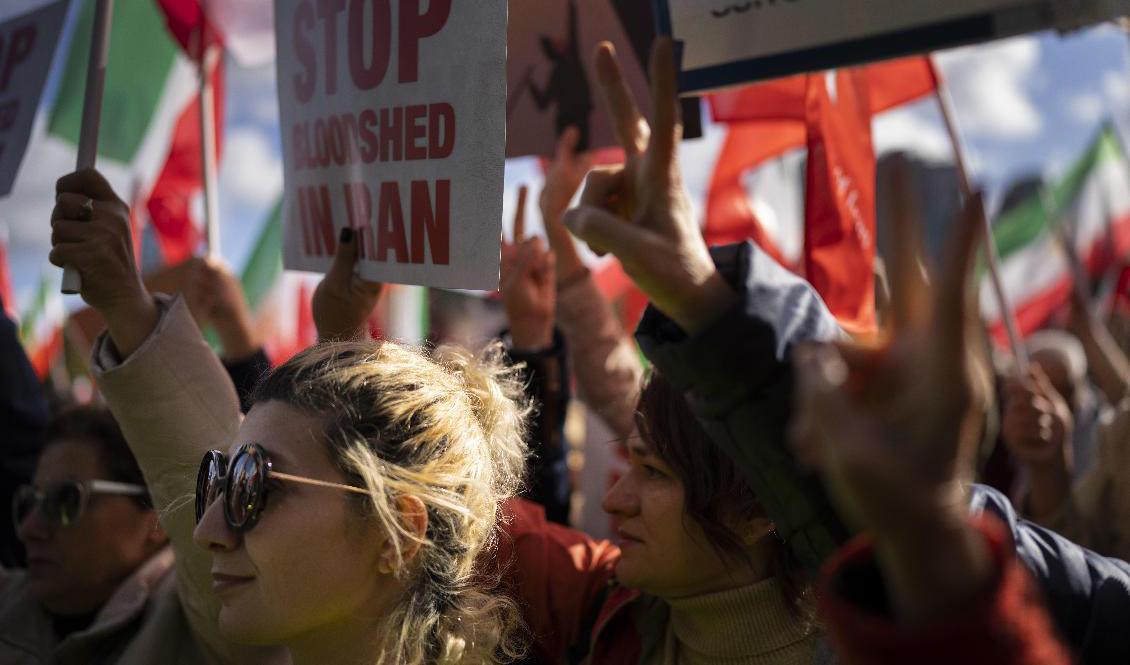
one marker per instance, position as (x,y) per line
(749,624)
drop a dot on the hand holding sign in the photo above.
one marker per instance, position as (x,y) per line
(641,212)
(343,300)
(90,230)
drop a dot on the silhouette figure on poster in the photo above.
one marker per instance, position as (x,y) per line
(568,85)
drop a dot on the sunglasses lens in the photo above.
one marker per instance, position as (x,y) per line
(63,504)
(23,503)
(244,490)
(208,483)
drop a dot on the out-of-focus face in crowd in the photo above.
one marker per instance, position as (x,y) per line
(76,567)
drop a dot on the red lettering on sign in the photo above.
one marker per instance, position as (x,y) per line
(20,46)
(413,115)
(304,52)
(317,220)
(441,141)
(370,148)
(327,13)
(390,224)
(433,222)
(367,77)
(359,211)
(392,133)
(415,26)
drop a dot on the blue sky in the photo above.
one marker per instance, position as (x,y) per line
(1025,105)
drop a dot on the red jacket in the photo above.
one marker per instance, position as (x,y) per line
(564,582)
(578,613)
(1008,625)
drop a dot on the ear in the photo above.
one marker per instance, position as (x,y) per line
(414,519)
(756,529)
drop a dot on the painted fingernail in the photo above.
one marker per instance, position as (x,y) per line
(346,235)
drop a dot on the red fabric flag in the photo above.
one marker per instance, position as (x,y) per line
(893,83)
(184,18)
(729,217)
(170,201)
(43,356)
(780,99)
(181,177)
(839,229)
(897,82)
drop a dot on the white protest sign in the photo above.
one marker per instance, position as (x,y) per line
(725,42)
(393,123)
(27,44)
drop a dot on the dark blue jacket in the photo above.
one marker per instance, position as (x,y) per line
(738,381)
(1088,595)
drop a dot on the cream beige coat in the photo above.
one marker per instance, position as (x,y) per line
(141,623)
(174,401)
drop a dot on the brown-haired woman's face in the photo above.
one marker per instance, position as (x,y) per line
(664,552)
(311,561)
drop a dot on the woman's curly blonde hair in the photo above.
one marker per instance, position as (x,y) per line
(447,427)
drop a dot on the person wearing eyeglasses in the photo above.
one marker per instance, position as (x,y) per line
(97,560)
(343,520)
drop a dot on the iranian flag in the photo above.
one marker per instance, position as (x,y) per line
(1092,203)
(148,143)
(41,327)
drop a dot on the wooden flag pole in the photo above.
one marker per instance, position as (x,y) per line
(91,111)
(209,59)
(945,104)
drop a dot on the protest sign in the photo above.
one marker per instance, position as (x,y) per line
(393,124)
(551,84)
(27,44)
(725,42)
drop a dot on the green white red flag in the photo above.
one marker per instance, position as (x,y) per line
(1092,201)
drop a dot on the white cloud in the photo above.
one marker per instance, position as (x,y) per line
(991,86)
(1087,108)
(1116,87)
(909,129)
(251,173)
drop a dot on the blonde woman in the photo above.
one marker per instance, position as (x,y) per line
(340,521)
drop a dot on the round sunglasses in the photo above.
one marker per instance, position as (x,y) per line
(245,482)
(63,504)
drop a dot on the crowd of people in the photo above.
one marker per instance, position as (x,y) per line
(793,495)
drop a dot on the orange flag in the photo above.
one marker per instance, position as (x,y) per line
(729,217)
(839,229)
(893,83)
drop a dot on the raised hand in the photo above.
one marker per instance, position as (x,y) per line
(527,285)
(90,230)
(343,300)
(1037,422)
(894,427)
(565,176)
(215,297)
(641,212)
(1037,429)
